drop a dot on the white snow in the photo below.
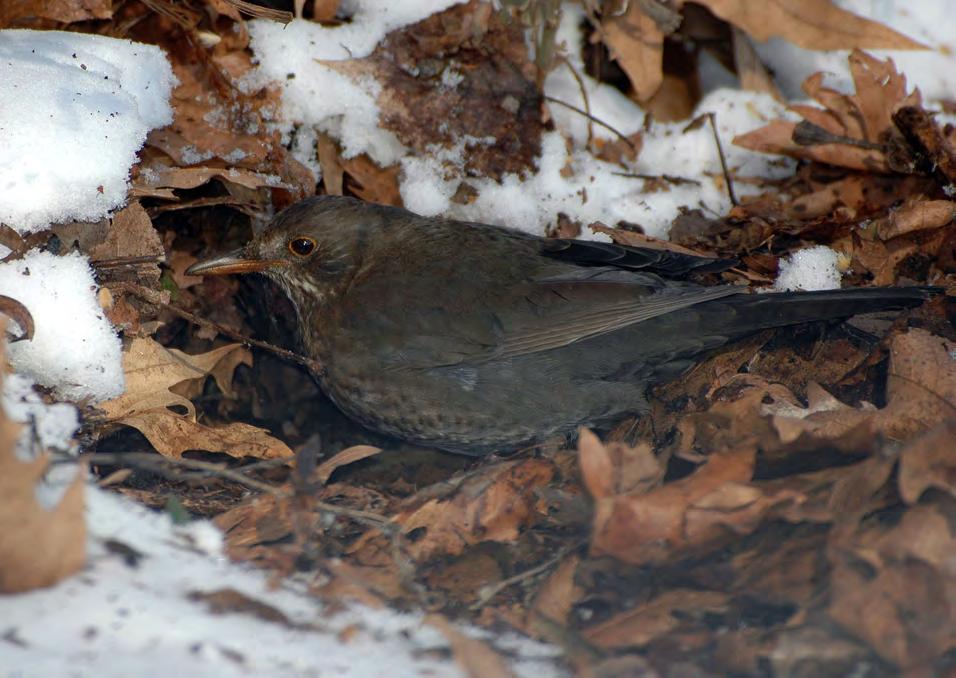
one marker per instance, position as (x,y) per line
(55,423)
(812,268)
(933,71)
(121,619)
(75,110)
(74,350)
(315,94)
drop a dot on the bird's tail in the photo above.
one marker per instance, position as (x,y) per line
(765,311)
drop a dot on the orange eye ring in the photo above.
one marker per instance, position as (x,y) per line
(302,246)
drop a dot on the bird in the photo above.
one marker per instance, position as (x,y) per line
(475,338)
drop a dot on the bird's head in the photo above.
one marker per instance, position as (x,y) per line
(308,248)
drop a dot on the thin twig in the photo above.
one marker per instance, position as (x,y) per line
(669,178)
(584,96)
(723,159)
(587,115)
(171,468)
(155,298)
(487,593)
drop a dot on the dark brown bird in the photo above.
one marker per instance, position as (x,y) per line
(475,338)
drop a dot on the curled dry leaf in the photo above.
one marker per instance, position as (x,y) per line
(19,314)
(916,215)
(851,130)
(348,456)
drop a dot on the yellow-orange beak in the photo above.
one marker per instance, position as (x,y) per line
(232,262)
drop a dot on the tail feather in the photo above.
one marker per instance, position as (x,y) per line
(765,311)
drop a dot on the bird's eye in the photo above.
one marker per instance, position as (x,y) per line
(302,246)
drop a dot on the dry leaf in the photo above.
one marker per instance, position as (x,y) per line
(657,618)
(637,44)
(172,434)
(475,657)
(491,504)
(895,587)
(916,215)
(609,469)
(151,370)
(921,387)
(63,11)
(928,461)
(558,594)
(811,24)
(695,512)
(38,546)
(158,378)
(131,234)
(866,116)
(324,471)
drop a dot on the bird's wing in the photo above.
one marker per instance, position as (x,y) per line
(667,263)
(554,314)
(434,330)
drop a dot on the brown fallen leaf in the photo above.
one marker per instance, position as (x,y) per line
(131,235)
(324,471)
(921,386)
(894,586)
(370,182)
(475,657)
(636,42)
(62,11)
(330,160)
(916,215)
(865,118)
(556,597)
(656,618)
(811,24)
(38,546)
(692,514)
(490,504)
(609,469)
(158,378)
(929,462)
(151,370)
(172,434)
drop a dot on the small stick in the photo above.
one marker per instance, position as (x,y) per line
(167,467)
(154,298)
(723,160)
(595,119)
(584,96)
(669,178)
(487,593)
